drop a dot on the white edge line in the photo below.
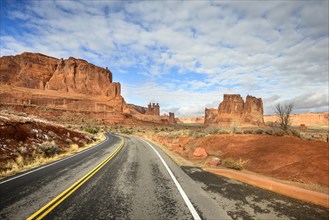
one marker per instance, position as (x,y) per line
(180,189)
(58,161)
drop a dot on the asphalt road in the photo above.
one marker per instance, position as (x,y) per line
(141,182)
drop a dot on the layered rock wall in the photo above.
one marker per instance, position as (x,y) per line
(64,84)
(234,110)
(41,84)
(38,71)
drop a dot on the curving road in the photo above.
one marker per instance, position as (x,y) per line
(139,182)
(134,184)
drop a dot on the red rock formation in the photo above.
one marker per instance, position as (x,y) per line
(172,119)
(137,108)
(31,70)
(68,85)
(63,86)
(230,109)
(153,109)
(38,71)
(151,114)
(211,115)
(234,110)
(253,112)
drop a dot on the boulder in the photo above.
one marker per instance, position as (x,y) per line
(214,161)
(200,152)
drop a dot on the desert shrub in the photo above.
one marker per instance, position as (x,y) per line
(234,164)
(268,131)
(295,133)
(22,150)
(174,134)
(278,132)
(91,130)
(68,141)
(126,131)
(258,131)
(196,134)
(212,130)
(234,129)
(248,131)
(49,149)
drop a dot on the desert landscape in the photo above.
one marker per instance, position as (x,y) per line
(127,97)
(237,135)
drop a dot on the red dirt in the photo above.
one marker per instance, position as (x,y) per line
(286,158)
(22,132)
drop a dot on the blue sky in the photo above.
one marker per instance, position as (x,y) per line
(185,54)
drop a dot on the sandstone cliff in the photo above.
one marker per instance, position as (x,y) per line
(68,90)
(234,110)
(38,71)
(62,86)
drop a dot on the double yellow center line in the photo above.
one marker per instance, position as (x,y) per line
(61,197)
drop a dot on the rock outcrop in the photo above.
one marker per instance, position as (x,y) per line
(210,116)
(234,110)
(66,89)
(38,71)
(60,89)
(170,118)
(153,109)
(151,113)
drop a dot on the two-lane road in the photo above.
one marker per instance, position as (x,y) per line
(140,182)
(133,179)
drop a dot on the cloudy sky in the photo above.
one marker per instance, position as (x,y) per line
(185,54)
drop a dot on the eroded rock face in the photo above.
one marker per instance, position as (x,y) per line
(30,70)
(253,112)
(211,115)
(38,71)
(234,110)
(230,109)
(67,85)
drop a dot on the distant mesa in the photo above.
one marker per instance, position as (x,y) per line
(234,110)
(68,89)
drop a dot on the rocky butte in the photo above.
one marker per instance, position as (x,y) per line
(65,90)
(152,111)
(234,110)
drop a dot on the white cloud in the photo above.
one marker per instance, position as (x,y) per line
(274,49)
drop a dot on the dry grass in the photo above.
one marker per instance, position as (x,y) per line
(40,158)
(234,164)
